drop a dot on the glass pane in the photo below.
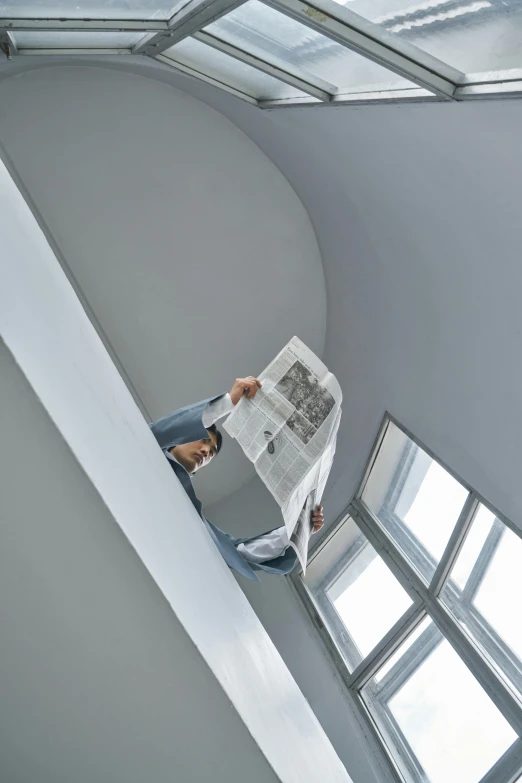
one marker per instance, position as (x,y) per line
(439,713)
(347,538)
(484,591)
(501,589)
(479,35)
(93,9)
(367,588)
(272,36)
(348,583)
(475,540)
(416,500)
(46,40)
(231,72)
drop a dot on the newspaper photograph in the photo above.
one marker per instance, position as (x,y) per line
(288,430)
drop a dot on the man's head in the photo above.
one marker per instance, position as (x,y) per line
(198,453)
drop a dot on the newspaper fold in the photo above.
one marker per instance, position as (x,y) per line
(288,430)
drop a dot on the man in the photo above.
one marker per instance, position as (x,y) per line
(189,439)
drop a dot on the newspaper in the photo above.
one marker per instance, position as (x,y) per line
(288,430)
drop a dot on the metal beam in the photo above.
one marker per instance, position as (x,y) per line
(67,52)
(12,43)
(189,19)
(316,87)
(495,90)
(508,768)
(482,562)
(492,77)
(83,25)
(7,45)
(390,642)
(454,545)
(351,30)
(419,95)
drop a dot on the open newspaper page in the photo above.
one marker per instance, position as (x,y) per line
(288,431)
(299,540)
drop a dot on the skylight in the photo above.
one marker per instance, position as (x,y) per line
(276,53)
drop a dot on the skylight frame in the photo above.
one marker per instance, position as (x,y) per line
(434,79)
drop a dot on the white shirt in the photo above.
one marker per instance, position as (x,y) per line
(269,545)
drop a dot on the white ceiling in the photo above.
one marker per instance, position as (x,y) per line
(194,253)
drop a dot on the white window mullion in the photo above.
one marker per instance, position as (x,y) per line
(62,25)
(374,738)
(388,550)
(454,545)
(388,645)
(508,768)
(488,677)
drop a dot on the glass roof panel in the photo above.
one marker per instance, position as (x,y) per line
(471,35)
(94,9)
(272,36)
(74,40)
(231,72)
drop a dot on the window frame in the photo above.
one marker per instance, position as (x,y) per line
(431,79)
(428,603)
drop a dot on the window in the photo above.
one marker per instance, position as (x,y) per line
(277,53)
(417,594)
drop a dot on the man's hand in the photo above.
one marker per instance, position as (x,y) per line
(244,386)
(317,519)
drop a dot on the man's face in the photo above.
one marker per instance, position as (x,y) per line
(196,454)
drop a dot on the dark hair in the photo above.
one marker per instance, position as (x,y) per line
(219,437)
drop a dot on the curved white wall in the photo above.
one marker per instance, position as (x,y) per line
(195,254)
